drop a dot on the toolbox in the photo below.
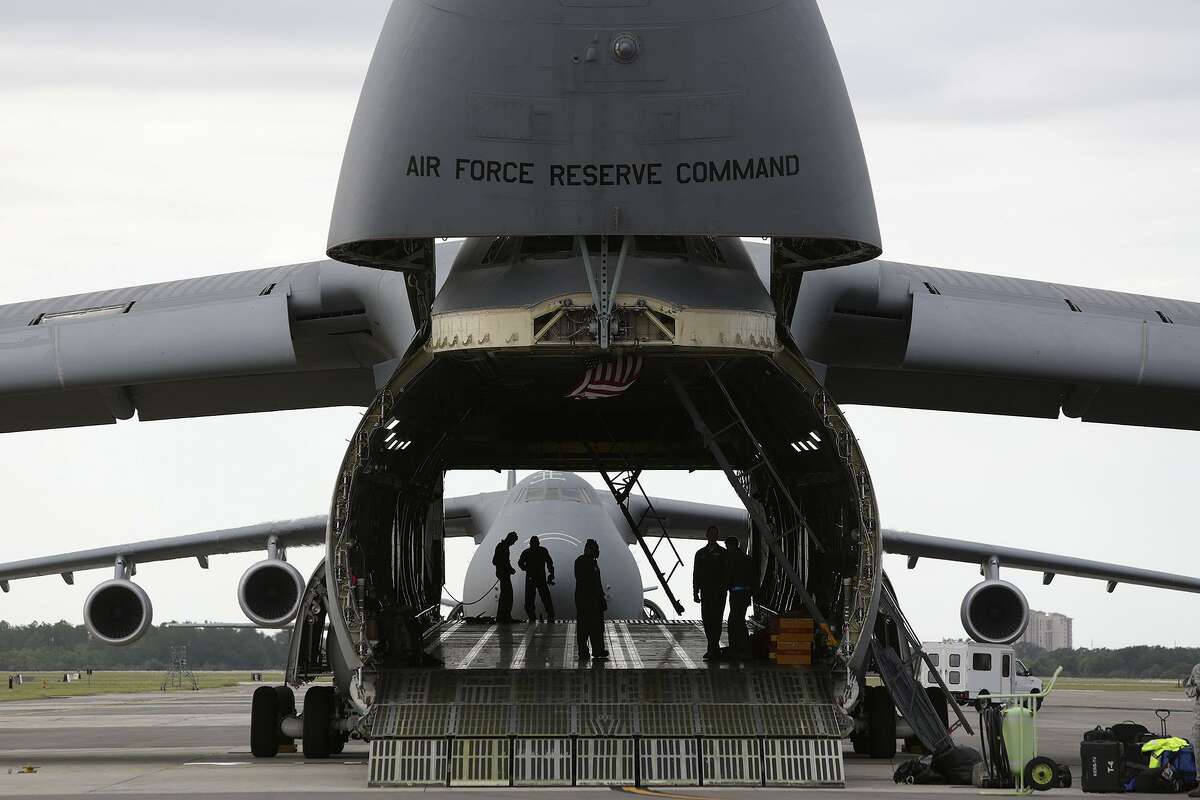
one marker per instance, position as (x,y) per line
(1103,766)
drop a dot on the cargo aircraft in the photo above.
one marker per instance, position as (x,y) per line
(594,170)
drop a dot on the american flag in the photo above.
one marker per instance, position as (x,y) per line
(608,378)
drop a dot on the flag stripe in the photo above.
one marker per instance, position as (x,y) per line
(608,378)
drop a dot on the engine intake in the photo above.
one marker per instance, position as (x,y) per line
(995,612)
(118,612)
(270,593)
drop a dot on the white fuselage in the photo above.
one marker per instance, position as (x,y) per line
(563,511)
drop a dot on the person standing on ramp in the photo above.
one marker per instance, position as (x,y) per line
(502,561)
(710,582)
(590,604)
(537,565)
(742,582)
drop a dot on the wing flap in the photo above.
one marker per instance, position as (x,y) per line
(290,533)
(903,335)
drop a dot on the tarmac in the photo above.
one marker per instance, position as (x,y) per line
(196,744)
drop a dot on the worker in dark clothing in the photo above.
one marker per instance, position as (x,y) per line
(504,572)
(710,583)
(539,577)
(590,604)
(742,581)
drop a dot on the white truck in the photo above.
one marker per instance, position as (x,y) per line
(972,670)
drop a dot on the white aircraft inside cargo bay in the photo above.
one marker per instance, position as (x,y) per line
(580,253)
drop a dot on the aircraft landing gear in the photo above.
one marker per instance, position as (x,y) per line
(268,708)
(319,739)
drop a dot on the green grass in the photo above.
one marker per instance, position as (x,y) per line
(1166,686)
(43,685)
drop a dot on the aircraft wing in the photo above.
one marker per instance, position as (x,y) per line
(471,515)
(684,519)
(288,533)
(917,546)
(301,336)
(891,334)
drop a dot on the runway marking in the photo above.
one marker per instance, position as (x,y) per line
(478,648)
(634,656)
(216,763)
(680,653)
(654,793)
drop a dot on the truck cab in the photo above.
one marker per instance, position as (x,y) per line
(972,670)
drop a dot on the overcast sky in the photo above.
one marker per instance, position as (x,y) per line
(147,141)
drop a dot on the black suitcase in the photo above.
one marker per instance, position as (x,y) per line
(1103,766)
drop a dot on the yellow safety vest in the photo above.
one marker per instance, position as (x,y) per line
(1156,747)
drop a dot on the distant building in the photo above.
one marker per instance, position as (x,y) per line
(1049,631)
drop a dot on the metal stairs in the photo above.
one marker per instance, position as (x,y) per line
(753,479)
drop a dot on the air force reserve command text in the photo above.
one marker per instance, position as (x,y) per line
(644,173)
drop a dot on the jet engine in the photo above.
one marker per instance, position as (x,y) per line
(995,612)
(118,612)
(270,592)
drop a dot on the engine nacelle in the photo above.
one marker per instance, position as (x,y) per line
(270,593)
(995,612)
(118,612)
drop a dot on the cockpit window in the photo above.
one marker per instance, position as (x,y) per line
(567,494)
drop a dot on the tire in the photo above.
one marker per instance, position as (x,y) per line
(337,745)
(859,742)
(1064,777)
(881,715)
(940,704)
(264,722)
(287,708)
(318,719)
(1041,773)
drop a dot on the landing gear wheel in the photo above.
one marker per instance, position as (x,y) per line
(1041,773)
(337,745)
(859,742)
(881,716)
(287,708)
(264,722)
(318,721)
(940,704)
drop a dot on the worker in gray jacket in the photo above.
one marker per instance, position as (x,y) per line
(1191,687)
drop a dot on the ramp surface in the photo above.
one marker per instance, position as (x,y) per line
(512,706)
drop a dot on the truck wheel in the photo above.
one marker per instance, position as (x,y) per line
(264,722)
(1064,777)
(881,716)
(1041,773)
(287,708)
(940,704)
(318,719)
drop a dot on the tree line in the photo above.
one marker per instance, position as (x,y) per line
(1125,662)
(61,646)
